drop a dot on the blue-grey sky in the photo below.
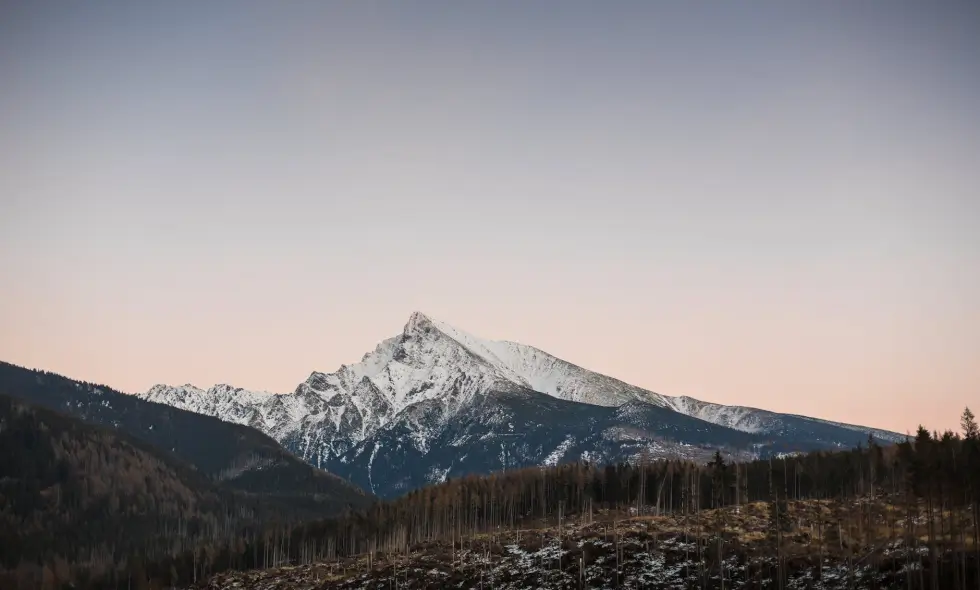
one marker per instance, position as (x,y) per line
(769,203)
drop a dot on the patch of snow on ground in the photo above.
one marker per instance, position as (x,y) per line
(556,455)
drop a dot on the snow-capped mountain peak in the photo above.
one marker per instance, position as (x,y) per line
(417,322)
(422,385)
(531,368)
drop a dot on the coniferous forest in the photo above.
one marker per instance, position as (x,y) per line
(84,507)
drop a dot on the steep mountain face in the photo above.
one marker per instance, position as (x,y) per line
(513,429)
(436,402)
(238,457)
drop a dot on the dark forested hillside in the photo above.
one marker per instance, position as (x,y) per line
(75,491)
(240,456)
(79,500)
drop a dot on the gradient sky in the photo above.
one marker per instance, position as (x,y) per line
(772,204)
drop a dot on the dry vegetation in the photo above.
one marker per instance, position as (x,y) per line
(827,544)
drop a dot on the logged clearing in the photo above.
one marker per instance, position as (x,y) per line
(818,544)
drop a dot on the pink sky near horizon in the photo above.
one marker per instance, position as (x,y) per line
(206,195)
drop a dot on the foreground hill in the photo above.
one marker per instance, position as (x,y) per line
(713,549)
(241,457)
(436,402)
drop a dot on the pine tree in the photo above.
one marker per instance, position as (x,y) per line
(969,423)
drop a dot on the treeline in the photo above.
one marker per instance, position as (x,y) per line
(934,477)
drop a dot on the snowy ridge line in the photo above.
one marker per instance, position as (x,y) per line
(415,385)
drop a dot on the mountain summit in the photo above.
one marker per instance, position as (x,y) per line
(435,401)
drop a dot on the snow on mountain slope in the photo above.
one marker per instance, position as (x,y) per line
(328,413)
(538,370)
(429,361)
(737,417)
(429,385)
(766,422)
(231,403)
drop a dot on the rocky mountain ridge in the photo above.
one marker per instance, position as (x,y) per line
(435,401)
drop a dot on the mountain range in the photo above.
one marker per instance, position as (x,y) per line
(435,402)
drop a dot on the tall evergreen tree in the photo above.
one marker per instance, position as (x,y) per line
(969,424)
